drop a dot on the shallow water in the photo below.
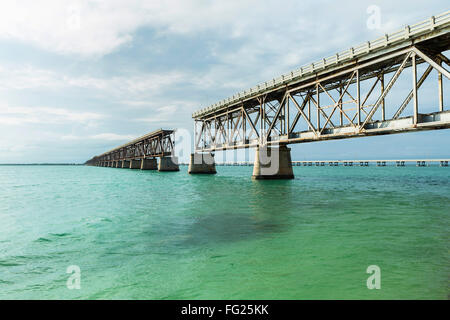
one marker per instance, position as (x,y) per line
(152,235)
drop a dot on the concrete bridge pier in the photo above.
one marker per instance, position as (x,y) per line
(149,164)
(135,164)
(119,164)
(126,164)
(202,163)
(273,163)
(168,164)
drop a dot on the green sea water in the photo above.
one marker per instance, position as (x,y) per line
(152,235)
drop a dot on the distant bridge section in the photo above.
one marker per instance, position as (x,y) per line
(141,153)
(353,93)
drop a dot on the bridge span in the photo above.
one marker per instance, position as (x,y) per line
(142,153)
(354,93)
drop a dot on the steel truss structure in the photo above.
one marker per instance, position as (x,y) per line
(159,143)
(346,96)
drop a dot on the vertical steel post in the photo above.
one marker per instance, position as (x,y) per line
(383,117)
(261,120)
(414,76)
(286,120)
(441,90)
(358,97)
(309,110)
(263,136)
(340,104)
(244,124)
(318,107)
(229,128)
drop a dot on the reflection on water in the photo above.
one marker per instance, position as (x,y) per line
(229,227)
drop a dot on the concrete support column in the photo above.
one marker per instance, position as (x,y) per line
(135,164)
(149,164)
(273,163)
(168,164)
(126,164)
(202,163)
(119,164)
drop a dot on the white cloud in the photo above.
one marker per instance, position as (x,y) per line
(81,27)
(29,77)
(44,115)
(97,27)
(111,137)
(107,136)
(161,114)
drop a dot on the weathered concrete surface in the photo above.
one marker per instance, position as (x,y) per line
(135,164)
(273,163)
(126,164)
(168,164)
(149,164)
(202,163)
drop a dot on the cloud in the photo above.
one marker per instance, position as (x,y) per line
(112,137)
(44,115)
(98,27)
(161,115)
(29,77)
(71,27)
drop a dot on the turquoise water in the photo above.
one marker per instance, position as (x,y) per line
(153,235)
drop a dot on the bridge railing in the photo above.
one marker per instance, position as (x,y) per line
(388,39)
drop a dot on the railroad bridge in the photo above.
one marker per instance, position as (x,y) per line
(142,153)
(349,94)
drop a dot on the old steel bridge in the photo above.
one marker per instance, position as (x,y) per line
(353,93)
(141,153)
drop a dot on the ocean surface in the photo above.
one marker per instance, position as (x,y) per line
(152,235)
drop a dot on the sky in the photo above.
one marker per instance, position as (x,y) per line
(80,77)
